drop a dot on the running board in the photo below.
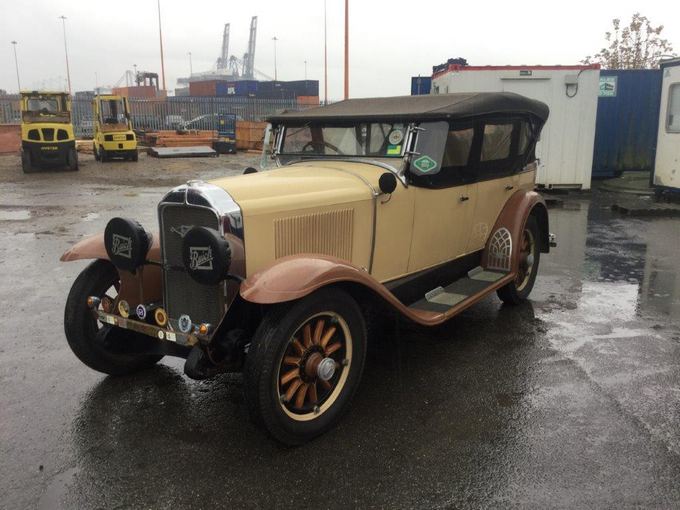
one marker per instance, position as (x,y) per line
(478,282)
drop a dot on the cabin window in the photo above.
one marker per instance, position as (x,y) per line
(458,147)
(497,142)
(673,118)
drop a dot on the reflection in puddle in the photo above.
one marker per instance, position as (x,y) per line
(91,216)
(14,214)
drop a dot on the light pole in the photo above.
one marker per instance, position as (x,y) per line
(325,56)
(191,67)
(134,66)
(68,72)
(16,64)
(160,36)
(275,75)
(305,70)
(346,49)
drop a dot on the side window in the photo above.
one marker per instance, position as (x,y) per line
(497,142)
(673,118)
(458,147)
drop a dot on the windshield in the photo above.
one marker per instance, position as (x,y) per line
(112,111)
(44,106)
(374,140)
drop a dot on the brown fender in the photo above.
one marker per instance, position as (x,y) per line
(92,247)
(150,289)
(513,217)
(296,276)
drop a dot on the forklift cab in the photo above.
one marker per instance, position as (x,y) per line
(47,137)
(113,134)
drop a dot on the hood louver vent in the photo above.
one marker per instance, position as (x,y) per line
(327,233)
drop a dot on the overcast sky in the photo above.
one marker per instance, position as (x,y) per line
(389,40)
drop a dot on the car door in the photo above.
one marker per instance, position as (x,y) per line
(445,195)
(496,175)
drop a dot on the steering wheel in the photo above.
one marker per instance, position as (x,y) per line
(313,145)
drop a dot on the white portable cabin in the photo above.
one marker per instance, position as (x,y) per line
(667,163)
(565,150)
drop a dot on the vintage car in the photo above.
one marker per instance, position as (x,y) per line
(417,206)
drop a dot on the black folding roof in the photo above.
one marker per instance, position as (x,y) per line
(413,108)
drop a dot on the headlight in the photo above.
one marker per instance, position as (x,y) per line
(206,255)
(127,243)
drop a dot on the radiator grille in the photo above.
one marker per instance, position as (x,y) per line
(329,233)
(183,295)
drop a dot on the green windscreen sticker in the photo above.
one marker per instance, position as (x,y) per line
(393,150)
(425,164)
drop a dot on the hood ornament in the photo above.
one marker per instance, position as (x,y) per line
(181,230)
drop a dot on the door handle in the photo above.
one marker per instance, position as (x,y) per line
(508,188)
(463,198)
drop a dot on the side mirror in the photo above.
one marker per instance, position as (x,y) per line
(387,183)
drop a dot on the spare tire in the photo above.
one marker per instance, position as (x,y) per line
(127,243)
(206,255)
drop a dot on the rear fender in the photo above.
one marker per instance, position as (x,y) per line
(502,247)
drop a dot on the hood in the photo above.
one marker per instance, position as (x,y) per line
(302,185)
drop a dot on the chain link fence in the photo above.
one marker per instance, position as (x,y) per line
(169,113)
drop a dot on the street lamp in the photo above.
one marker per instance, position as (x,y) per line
(346,49)
(68,72)
(134,66)
(305,70)
(16,64)
(191,68)
(275,39)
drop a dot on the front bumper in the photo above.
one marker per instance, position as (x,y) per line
(164,334)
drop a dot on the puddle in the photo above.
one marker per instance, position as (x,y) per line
(91,216)
(14,215)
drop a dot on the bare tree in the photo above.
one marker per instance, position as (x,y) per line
(636,46)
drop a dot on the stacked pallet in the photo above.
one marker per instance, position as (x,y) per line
(85,146)
(249,135)
(180,139)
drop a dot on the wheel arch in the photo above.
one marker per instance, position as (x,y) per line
(513,218)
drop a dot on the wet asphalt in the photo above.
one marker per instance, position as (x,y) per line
(569,401)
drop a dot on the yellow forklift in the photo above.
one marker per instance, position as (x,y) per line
(47,138)
(113,135)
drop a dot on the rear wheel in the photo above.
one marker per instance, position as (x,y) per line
(102,155)
(95,152)
(134,156)
(519,289)
(304,365)
(99,279)
(26,163)
(72,159)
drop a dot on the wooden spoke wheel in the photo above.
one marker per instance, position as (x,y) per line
(314,366)
(527,251)
(528,257)
(304,364)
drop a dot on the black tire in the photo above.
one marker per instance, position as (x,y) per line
(135,156)
(516,291)
(26,164)
(265,359)
(72,159)
(81,327)
(103,157)
(95,152)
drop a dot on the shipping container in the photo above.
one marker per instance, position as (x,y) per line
(667,165)
(627,121)
(141,91)
(420,85)
(246,88)
(206,88)
(225,88)
(565,151)
(308,100)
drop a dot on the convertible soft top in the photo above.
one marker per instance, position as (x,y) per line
(413,108)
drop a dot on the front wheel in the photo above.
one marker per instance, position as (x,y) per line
(99,279)
(519,289)
(304,365)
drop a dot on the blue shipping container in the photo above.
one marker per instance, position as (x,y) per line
(627,121)
(420,85)
(246,88)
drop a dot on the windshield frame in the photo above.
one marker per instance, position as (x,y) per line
(283,129)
